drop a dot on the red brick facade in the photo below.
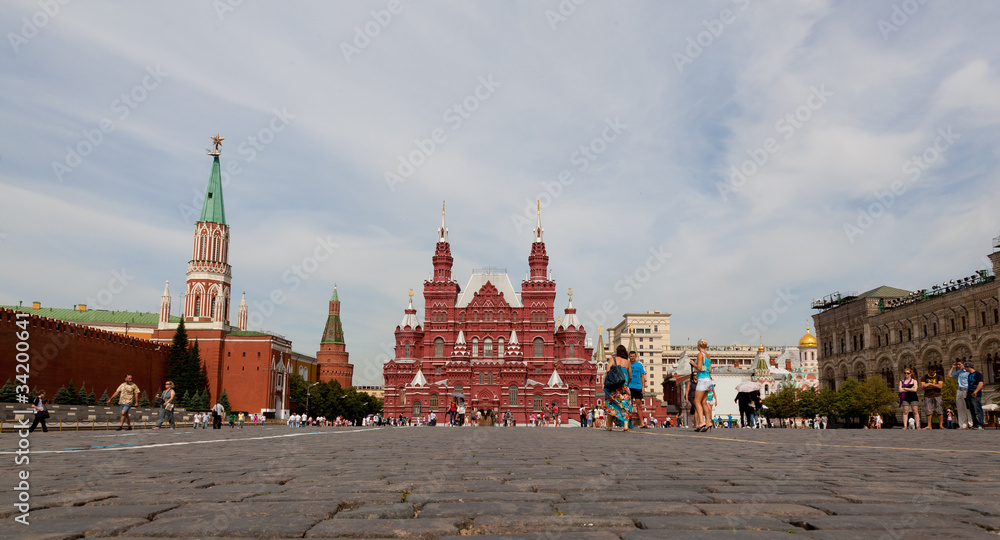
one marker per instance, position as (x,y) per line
(61,352)
(501,350)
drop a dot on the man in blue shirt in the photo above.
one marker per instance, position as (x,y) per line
(635,387)
(974,397)
(958,371)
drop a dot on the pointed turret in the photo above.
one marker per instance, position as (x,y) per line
(212,210)
(165,306)
(241,314)
(513,348)
(333,332)
(538,261)
(631,339)
(332,358)
(460,350)
(410,316)
(206,297)
(442,253)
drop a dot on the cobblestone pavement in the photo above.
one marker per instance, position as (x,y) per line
(543,483)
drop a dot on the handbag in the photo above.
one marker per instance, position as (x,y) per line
(43,415)
(615,379)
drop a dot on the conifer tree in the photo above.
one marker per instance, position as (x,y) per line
(62,397)
(224,400)
(81,396)
(8,393)
(144,399)
(72,398)
(195,370)
(178,358)
(184,400)
(204,403)
(104,397)
(92,398)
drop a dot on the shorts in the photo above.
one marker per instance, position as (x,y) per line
(704,385)
(910,399)
(635,392)
(125,407)
(934,404)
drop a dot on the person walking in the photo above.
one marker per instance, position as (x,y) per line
(974,399)
(217,411)
(167,406)
(958,372)
(908,398)
(452,412)
(40,413)
(128,397)
(617,398)
(636,386)
(461,411)
(932,384)
(702,408)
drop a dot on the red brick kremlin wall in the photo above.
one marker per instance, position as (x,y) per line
(61,352)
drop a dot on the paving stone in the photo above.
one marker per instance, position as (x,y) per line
(785,498)
(318,509)
(470,509)
(524,496)
(626,496)
(734,522)
(576,535)
(545,524)
(892,510)
(384,528)
(764,509)
(641,508)
(68,528)
(877,523)
(379,511)
(905,534)
(105,511)
(227,525)
(711,535)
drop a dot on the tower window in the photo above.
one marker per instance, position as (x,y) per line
(538,347)
(438,349)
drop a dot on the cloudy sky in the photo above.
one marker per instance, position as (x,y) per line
(726,162)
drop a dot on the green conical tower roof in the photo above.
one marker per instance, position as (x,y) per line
(213,210)
(334,331)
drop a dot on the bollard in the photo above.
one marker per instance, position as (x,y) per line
(77,424)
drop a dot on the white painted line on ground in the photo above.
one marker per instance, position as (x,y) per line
(182,443)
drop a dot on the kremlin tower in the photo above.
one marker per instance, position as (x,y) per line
(331,359)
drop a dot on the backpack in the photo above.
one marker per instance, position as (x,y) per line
(615,379)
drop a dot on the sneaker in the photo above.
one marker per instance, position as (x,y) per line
(130,428)
(119,428)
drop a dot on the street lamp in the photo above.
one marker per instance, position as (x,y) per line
(309,389)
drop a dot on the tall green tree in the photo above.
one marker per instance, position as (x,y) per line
(81,396)
(194,371)
(144,399)
(104,397)
(177,359)
(92,398)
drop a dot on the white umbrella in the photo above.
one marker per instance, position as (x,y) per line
(747,386)
(991,407)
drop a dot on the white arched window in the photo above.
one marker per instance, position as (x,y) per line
(488,347)
(475,347)
(500,347)
(538,347)
(438,349)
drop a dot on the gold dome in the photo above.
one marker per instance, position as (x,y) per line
(807,340)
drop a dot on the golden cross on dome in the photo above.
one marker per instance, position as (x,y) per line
(217,141)
(631,329)
(411,293)
(442,208)
(571,291)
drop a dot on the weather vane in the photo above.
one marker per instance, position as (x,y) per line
(217,141)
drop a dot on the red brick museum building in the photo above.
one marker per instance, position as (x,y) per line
(497,348)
